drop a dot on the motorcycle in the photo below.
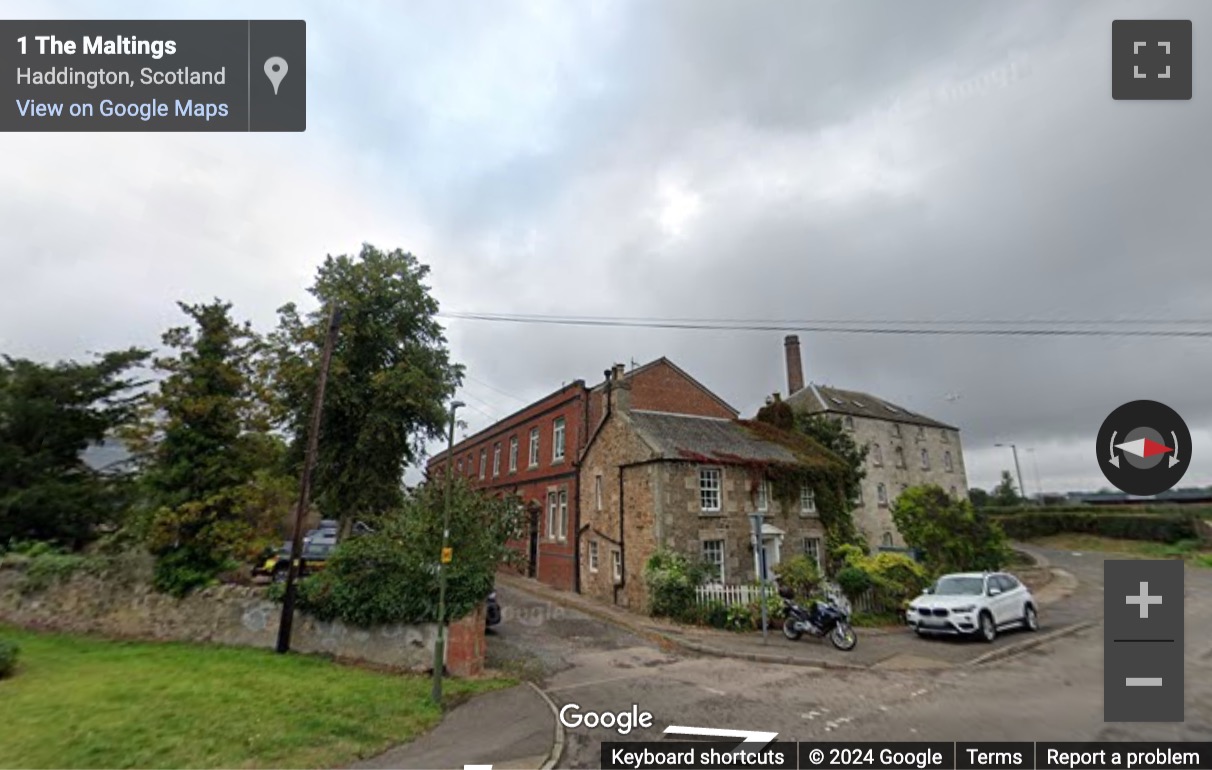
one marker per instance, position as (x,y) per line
(824,618)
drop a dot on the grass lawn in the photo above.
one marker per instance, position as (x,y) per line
(1186,549)
(79,701)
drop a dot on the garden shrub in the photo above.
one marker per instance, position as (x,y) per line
(799,574)
(715,614)
(8,657)
(951,535)
(672,578)
(853,581)
(49,568)
(391,574)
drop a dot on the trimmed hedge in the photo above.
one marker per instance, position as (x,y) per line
(1156,527)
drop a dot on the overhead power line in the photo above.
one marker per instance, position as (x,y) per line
(981,327)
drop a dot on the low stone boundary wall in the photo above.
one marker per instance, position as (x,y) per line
(232,615)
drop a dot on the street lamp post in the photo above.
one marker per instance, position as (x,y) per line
(439,648)
(1039,488)
(1017,469)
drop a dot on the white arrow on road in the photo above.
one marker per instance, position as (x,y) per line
(750,736)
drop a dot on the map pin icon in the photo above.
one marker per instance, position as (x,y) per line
(275,70)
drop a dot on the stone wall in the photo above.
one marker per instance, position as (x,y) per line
(686,526)
(231,615)
(874,518)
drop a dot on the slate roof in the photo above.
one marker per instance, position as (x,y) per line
(687,437)
(822,398)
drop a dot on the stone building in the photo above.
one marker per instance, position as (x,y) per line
(652,479)
(535,454)
(905,449)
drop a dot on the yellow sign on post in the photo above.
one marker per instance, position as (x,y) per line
(447,555)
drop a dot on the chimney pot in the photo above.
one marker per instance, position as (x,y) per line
(795,366)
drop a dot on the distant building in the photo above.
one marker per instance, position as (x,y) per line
(904,448)
(654,479)
(535,454)
(1182,496)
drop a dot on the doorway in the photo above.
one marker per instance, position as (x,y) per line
(532,567)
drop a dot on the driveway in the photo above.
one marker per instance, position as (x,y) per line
(1053,692)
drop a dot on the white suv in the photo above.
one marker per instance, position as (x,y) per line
(980,603)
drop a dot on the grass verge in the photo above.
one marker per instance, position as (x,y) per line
(1190,550)
(78,701)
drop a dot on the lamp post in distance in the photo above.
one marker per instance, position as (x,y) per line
(439,648)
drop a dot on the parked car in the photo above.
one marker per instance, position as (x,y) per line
(315,556)
(493,615)
(973,604)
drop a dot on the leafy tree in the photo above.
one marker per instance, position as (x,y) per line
(978,497)
(390,575)
(951,535)
(209,458)
(49,415)
(840,529)
(388,386)
(829,432)
(1005,494)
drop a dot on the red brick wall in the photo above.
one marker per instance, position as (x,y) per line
(662,388)
(466,645)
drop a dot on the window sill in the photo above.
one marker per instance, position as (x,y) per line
(711,513)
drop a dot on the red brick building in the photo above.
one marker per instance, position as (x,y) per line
(535,454)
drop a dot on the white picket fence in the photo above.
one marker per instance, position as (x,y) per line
(734,595)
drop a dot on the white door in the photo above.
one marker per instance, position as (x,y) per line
(772,553)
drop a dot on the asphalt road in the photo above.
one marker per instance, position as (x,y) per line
(1051,693)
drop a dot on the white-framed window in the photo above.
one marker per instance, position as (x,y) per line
(616,557)
(881,494)
(593,555)
(948,465)
(597,492)
(887,540)
(945,435)
(713,557)
(807,499)
(877,456)
(763,495)
(553,502)
(858,500)
(848,423)
(925,460)
(563,514)
(896,429)
(483,462)
(513,454)
(460,465)
(534,447)
(921,433)
(900,457)
(709,489)
(812,549)
(557,440)
(496,459)
(954,493)
(903,489)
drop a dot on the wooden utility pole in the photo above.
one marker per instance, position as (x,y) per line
(309,462)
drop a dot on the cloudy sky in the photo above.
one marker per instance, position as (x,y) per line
(678,159)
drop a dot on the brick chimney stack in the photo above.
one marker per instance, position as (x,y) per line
(619,389)
(795,367)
